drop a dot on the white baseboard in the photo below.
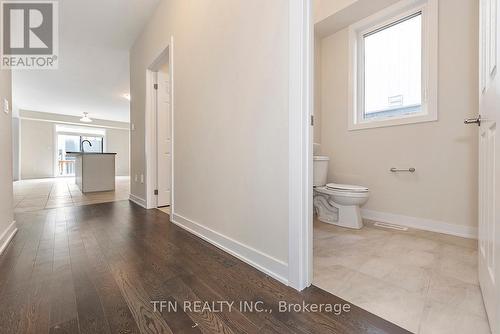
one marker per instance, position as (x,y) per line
(7,236)
(137,200)
(421,223)
(275,268)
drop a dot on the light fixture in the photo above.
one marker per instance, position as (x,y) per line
(126,96)
(85,118)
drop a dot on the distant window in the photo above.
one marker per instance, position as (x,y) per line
(97,144)
(393,59)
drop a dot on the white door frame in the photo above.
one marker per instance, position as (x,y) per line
(301,52)
(167,52)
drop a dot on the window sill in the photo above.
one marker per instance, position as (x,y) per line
(392,122)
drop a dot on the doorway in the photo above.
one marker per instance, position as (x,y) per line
(402,266)
(163,137)
(159,132)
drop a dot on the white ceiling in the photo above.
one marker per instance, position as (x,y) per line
(95,38)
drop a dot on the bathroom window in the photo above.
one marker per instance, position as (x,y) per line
(393,76)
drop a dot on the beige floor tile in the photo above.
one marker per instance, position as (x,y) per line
(166,210)
(411,242)
(462,254)
(463,269)
(457,294)
(388,301)
(54,205)
(90,202)
(412,278)
(56,197)
(349,258)
(60,193)
(28,209)
(443,319)
(60,200)
(103,195)
(332,278)
(26,203)
(78,199)
(35,195)
(414,257)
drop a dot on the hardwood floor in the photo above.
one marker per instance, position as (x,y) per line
(97,269)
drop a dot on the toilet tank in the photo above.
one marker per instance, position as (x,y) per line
(320,165)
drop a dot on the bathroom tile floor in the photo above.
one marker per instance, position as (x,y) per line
(422,281)
(51,193)
(165,209)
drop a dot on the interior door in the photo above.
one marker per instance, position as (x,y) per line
(164,141)
(489,166)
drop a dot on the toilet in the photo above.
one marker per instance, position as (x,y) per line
(337,204)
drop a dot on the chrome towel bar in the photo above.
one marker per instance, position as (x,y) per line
(396,170)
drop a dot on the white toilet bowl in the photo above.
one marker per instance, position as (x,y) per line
(339,204)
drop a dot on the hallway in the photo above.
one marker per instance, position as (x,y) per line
(96,269)
(50,193)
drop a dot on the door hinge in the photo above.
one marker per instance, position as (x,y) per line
(312,120)
(155,86)
(156,191)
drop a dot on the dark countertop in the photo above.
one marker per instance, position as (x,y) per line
(88,153)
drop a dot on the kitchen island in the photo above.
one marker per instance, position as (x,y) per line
(94,172)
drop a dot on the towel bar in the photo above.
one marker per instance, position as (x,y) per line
(396,170)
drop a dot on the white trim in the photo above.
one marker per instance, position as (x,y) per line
(7,236)
(421,223)
(150,139)
(300,103)
(429,9)
(273,267)
(166,53)
(137,200)
(172,118)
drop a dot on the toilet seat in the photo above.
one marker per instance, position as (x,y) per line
(347,188)
(345,193)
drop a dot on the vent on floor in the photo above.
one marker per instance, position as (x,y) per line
(391,226)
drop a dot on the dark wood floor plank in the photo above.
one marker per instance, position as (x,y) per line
(63,311)
(115,307)
(63,299)
(97,269)
(68,327)
(139,303)
(91,315)
(143,261)
(37,312)
(13,308)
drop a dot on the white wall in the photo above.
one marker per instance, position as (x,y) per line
(16,137)
(37,143)
(325,8)
(444,189)
(7,226)
(118,141)
(231,117)
(37,149)
(332,16)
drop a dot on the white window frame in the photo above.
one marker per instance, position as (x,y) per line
(398,11)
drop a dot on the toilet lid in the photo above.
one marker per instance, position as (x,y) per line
(346,187)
